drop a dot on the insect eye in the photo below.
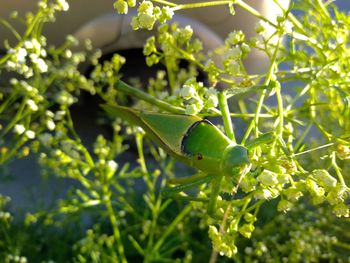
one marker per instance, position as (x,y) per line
(199,156)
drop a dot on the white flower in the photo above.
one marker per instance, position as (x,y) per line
(30,134)
(192,109)
(245,48)
(234,53)
(59,115)
(13,81)
(32,105)
(261,26)
(188,91)
(49,114)
(26,86)
(263,194)
(112,165)
(121,6)
(21,55)
(28,44)
(50,125)
(268,178)
(34,57)
(64,6)
(41,65)
(68,53)
(10,65)
(212,98)
(324,178)
(36,44)
(19,128)
(146,7)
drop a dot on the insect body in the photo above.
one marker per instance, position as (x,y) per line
(193,141)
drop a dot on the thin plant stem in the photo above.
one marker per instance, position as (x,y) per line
(225,111)
(254,12)
(337,171)
(165,3)
(85,152)
(214,253)
(172,226)
(114,222)
(11,28)
(313,149)
(201,4)
(25,37)
(254,122)
(280,111)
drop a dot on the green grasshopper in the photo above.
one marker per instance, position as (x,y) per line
(195,142)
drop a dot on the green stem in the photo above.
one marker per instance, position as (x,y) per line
(14,150)
(254,122)
(20,114)
(215,112)
(225,111)
(341,244)
(131,91)
(164,2)
(268,77)
(11,28)
(171,75)
(85,152)
(201,4)
(114,223)
(280,111)
(139,144)
(302,136)
(172,226)
(253,11)
(323,9)
(337,171)
(314,149)
(26,35)
(155,202)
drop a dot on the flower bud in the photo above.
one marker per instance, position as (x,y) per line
(284,205)
(341,210)
(268,178)
(246,230)
(324,178)
(121,6)
(343,152)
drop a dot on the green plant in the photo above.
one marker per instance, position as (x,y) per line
(303,98)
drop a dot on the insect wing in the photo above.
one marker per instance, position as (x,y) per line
(170,128)
(166,130)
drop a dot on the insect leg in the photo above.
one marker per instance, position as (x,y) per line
(215,190)
(266,139)
(188,183)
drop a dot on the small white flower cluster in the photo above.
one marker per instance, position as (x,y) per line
(62,5)
(122,6)
(148,14)
(20,129)
(16,259)
(195,97)
(234,50)
(31,52)
(225,247)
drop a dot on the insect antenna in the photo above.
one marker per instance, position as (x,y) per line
(313,149)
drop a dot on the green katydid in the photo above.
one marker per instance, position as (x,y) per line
(195,142)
